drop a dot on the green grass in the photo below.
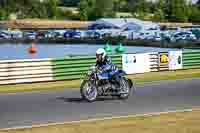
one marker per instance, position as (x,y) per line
(185,122)
(138,79)
(165,75)
(124,14)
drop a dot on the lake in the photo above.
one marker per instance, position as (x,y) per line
(12,51)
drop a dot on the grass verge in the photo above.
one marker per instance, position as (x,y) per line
(138,79)
(182,122)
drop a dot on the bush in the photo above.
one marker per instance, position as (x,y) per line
(3,14)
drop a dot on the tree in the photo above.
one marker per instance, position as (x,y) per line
(138,6)
(3,14)
(141,8)
(121,5)
(29,8)
(159,12)
(87,9)
(52,9)
(71,3)
(94,9)
(195,15)
(198,4)
(177,10)
(83,9)
(104,8)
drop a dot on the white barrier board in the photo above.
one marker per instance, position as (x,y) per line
(136,63)
(175,60)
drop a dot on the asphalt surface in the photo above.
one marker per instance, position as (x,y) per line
(28,109)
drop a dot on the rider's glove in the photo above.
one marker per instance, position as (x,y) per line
(100,70)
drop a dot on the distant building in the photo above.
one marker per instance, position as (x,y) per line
(123,24)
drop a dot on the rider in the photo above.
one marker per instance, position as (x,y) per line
(104,63)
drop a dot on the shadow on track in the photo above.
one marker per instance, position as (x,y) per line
(80,100)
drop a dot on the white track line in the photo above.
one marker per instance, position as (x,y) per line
(99,119)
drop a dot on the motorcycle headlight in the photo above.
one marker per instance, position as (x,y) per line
(89,72)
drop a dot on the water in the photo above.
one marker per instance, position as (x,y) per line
(19,51)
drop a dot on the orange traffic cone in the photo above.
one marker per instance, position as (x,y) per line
(32,49)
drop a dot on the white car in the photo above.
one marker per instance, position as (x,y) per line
(5,35)
(184,36)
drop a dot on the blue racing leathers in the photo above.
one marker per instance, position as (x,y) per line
(107,68)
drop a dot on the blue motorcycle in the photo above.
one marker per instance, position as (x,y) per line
(96,84)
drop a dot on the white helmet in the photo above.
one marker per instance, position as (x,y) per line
(101,52)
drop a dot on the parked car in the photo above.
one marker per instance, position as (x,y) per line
(4,35)
(30,34)
(184,36)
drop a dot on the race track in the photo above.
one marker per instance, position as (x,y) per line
(28,109)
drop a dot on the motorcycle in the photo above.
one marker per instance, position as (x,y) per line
(93,86)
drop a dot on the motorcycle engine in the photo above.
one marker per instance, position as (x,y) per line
(105,85)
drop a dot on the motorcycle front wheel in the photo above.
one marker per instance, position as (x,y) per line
(88,91)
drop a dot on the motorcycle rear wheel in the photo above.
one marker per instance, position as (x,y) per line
(126,89)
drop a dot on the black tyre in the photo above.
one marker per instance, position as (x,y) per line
(126,89)
(88,91)
(132,86)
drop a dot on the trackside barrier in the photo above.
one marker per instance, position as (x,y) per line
(22,71)
(69,68)
(136,63)
(154,62)
(39,70)
(175,60)
(191,59)
(163,61)
(76,67)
